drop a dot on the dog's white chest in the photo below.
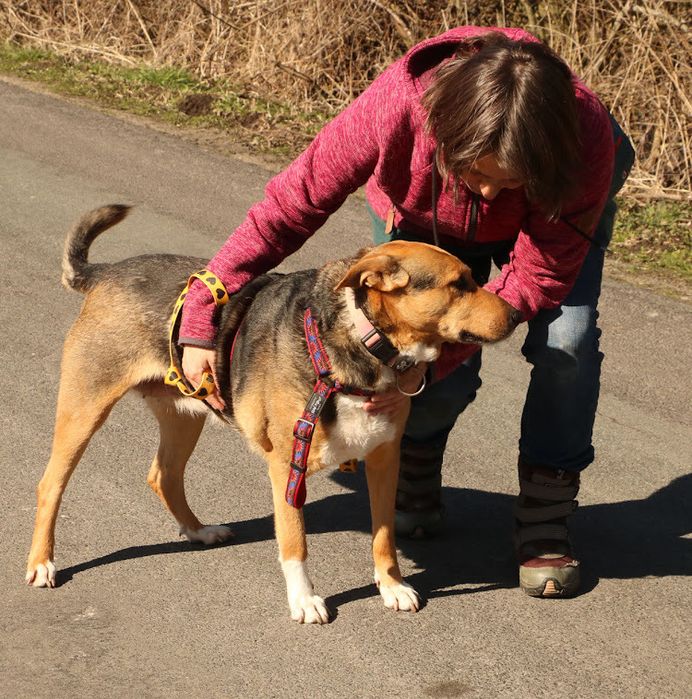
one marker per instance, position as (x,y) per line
(354,433)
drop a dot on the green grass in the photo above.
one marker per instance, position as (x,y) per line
(256,124)
(652,242)
(655,237)
(139,90)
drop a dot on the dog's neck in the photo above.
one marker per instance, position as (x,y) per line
(374,340)
(353,364)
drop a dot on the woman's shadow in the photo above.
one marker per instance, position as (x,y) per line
(629,539)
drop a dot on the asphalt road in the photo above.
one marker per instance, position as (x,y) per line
(140,613)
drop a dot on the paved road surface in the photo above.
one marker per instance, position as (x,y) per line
(139,613)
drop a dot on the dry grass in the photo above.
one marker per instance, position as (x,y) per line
(319,54)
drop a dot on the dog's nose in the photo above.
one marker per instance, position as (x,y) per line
(515,317)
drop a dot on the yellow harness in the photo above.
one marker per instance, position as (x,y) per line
(174,375)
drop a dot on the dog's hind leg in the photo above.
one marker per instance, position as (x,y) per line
(306,607)
(179,432)
(381,468)
(83,406)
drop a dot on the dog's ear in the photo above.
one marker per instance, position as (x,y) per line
(381,272)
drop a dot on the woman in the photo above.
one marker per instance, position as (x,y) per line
(483,141)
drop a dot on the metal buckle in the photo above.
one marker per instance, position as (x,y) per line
(403,363)
(382,349)
(370,334)
(300,436)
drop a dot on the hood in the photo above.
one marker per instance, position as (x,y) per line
(420,63)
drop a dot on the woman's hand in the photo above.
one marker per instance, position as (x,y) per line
(390,402)
(197,360)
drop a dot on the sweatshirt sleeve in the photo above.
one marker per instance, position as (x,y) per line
(300,199)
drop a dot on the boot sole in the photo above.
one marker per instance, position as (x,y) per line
(549,582)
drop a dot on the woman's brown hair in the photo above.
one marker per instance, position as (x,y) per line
(514,100)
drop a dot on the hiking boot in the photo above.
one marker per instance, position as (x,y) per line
(419,511)
(546,499)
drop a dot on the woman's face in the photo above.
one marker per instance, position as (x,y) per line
(487,178)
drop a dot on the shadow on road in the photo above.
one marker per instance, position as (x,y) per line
(631,539)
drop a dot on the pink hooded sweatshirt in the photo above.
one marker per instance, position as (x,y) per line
(380,141)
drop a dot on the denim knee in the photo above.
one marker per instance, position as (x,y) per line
(563,341)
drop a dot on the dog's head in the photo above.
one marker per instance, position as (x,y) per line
(419,293)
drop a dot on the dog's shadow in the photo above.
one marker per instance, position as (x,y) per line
(622,540)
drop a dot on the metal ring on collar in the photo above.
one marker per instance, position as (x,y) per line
(411,395)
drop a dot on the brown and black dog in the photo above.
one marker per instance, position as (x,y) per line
(415,294)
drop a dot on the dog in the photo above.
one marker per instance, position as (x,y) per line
(413,296)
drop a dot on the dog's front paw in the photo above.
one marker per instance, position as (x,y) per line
(212,534)
(306,607)
(41,574)
(400,597)
(309,609)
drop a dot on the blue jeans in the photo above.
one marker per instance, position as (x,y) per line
(562,345)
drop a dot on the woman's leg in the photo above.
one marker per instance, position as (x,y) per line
(563,347)
(433,414)
(559,412)
(556,429)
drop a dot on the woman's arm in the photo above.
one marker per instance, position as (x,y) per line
(300,199)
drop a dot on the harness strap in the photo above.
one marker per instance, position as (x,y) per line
(305,426)
(303,432)
(318,355)
(174,375)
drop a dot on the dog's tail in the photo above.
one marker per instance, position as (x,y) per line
(77,273)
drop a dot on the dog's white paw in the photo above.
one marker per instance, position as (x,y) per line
(309,609)
(306,607)
(41,575)
(400,597)
(211,534)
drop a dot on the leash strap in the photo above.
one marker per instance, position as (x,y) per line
(174,374)
(304,428)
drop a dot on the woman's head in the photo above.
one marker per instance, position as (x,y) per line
(509,105)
